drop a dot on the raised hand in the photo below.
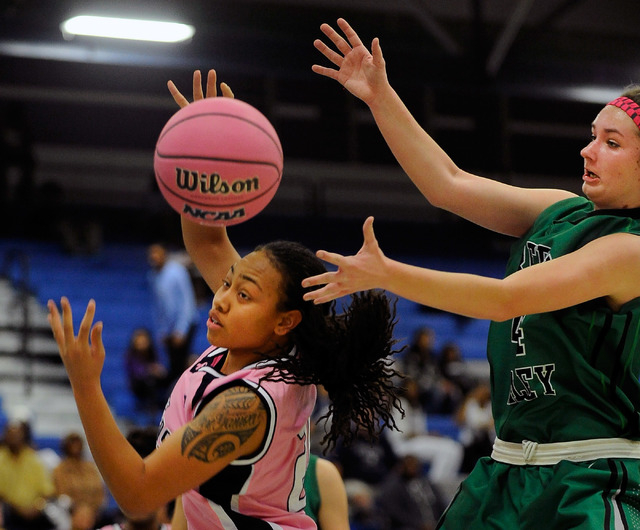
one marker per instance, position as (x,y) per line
(211,90)
(364,271)
(360,72)
(82,355)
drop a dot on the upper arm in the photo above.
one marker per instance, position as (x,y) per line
(178,519)
(229,427)
(210,250)
(607,267)
(334,510)
(495,205)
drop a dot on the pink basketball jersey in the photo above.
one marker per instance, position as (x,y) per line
(266,489)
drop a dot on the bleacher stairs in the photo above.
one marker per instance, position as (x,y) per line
(32,378)
(33,382)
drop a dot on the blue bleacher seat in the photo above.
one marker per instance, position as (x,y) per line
(117,279)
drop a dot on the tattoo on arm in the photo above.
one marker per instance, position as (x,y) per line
(224,425)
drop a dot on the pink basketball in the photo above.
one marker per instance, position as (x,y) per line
(218,161)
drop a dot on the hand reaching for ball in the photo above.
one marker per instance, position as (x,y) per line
(212,90)
(218,160)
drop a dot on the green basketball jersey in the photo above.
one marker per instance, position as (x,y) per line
(570,374)
(312,491)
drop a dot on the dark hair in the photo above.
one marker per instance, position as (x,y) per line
(347,353)
(68,440)
(150,352)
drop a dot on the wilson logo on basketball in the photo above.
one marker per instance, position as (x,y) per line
(213,183)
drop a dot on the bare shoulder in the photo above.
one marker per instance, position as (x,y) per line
(328,473)
(233,422)
(334,506)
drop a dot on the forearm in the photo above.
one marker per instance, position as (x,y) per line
(428,166)
(464,294)
(583,275)
(119,464)
(486,202)
(210,249)
(178,520)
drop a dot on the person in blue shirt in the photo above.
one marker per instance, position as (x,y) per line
(174,307)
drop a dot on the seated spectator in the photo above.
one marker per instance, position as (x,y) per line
(144,441)
(147,375)
(443,454)
(83,517)
(407,500)
(364,465)
(79,478)
(453,369)
(420,362)
(477,430)
(26,486)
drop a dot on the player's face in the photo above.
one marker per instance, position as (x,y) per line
(612,161)
(244,315)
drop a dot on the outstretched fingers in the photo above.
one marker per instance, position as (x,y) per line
(197,86)
(198,93)
(330,54)
(212,86)
(67,321)
(367,231)
(87,320)
(326,294)
(337,39)
(55,322)
(352,36)
(212,89)
(177,95)
(226,90)
(319,279)
(376,52)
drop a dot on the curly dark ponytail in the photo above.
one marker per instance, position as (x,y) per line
(347,353)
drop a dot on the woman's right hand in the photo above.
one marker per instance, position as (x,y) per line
(82,354)
(211,91)
(208,246)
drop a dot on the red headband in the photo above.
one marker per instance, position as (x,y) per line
(629,106)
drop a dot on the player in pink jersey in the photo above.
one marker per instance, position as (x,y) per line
(233,445)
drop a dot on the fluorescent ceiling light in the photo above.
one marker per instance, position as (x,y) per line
(126,28)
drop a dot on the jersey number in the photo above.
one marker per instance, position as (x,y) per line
(297,498)
(517,335)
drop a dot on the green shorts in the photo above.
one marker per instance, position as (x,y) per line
(600,494)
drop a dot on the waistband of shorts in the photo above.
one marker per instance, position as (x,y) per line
(530,453)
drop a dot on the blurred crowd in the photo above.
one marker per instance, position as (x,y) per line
(402,480)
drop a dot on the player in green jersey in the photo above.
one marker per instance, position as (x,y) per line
(564,346)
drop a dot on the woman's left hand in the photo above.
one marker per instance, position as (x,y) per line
(83,355)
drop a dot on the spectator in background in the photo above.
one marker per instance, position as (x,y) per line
(174,307)
(407,500)
(143,440)
(147,375)
(477,431)
(443,454)
(79,479)
(420,363)
(364,465)
(453,369)
(25,483)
